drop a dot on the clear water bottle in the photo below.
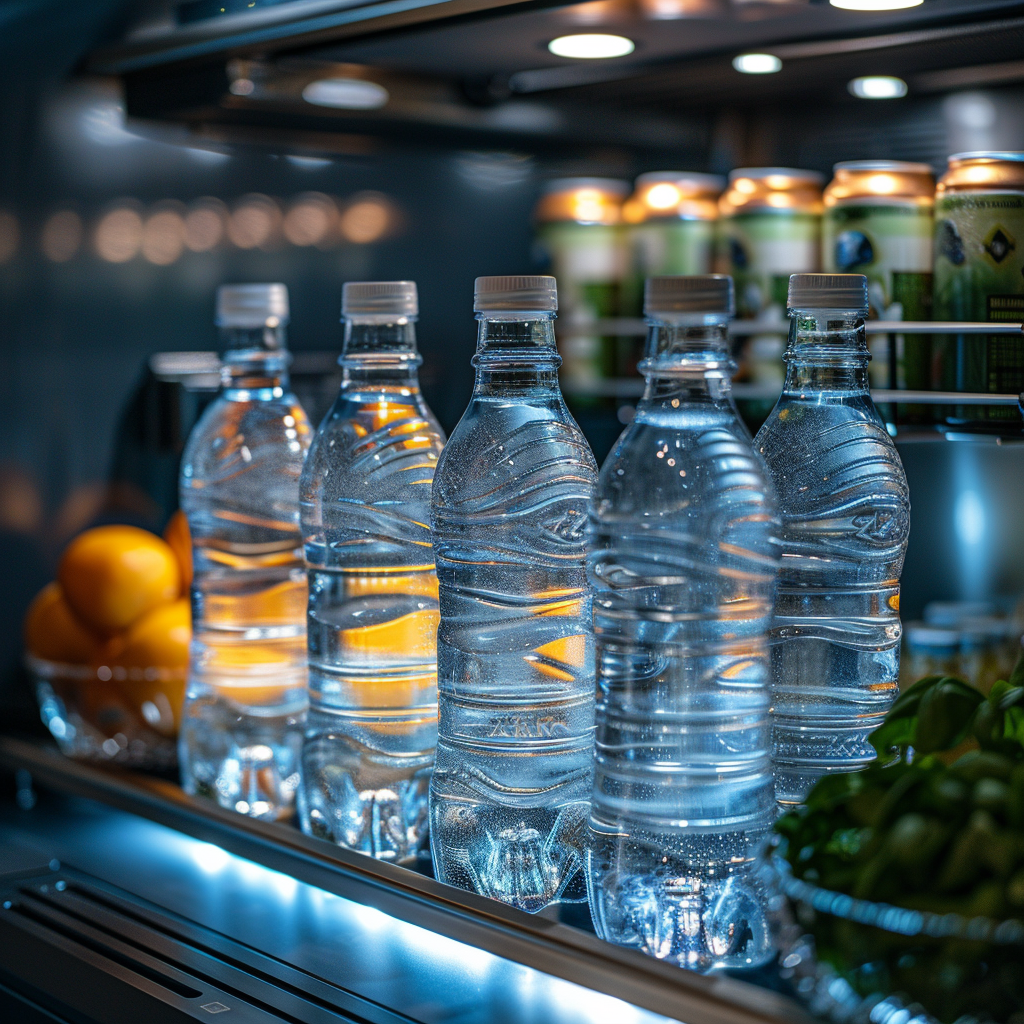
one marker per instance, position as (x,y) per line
(845,509)
(509,795)
(372,624)
(246,697)
(682,563)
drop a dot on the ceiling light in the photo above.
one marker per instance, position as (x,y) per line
(875,5)
(878,87)
(591,45)
(757,63)
(346,94)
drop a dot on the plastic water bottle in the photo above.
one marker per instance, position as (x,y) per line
(682,563)
(845,508)
(509,795)
(246,697)
(372,624)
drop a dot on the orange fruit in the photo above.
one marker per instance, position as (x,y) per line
(150,661)
(54,634)
(256,673)
(177,535)
(280,605)
(113,575)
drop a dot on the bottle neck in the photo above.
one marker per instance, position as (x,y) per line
(255,362)
(516,352)
(687,354)
(827,351)
(380,352)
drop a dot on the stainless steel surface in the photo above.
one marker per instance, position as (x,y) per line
(432,928)
(966,542)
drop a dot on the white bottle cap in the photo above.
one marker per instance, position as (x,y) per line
(525,294)
(696,293)
(848,292)
(379,298)
(252,305)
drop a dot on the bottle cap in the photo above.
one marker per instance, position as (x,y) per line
(828,291)
(252,305)
(515,294)
(378,298)
(697,293)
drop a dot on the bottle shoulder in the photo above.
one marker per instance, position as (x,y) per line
(238,442)
(387,446)
(840,480)
(806,440)
(684,467)
(498,442)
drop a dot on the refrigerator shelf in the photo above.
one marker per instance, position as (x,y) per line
(533,941)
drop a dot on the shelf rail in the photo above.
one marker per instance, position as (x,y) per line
(633,387)
(624,327)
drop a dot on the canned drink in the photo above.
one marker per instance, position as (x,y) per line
(671,220)
(770,229)
(579,225)
(673,214)
(879,222)
(979,263)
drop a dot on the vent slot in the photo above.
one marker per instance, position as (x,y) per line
(102,918)
(53,923)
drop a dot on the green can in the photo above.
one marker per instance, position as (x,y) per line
(671,217)
(579,226)
(879,222)
(770,229)
(674,215)
(979,276)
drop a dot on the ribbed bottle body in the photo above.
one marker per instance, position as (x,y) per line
(372,616)
(515,653)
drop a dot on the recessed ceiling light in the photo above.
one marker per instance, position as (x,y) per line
(346,94)
(878,87)
(757,63)
(591,46)
(875,5)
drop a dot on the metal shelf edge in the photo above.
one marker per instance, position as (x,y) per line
(543,945)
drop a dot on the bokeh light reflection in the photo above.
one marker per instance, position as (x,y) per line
(205,225)
(163,236)
(255,222)
(366,219)
(119,235)
(10,236)
(311,220)
(61,236)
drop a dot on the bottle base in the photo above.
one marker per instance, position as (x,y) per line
(245,759)
(526,858)
(365,800)
(705,909)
